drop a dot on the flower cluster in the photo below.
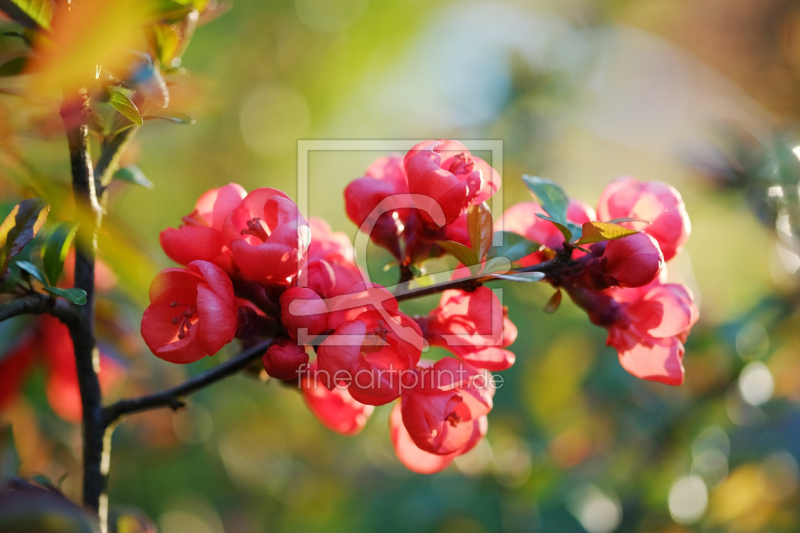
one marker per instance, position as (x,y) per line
(254,267)
(621,283)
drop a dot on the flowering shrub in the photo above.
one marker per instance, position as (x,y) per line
(253,268)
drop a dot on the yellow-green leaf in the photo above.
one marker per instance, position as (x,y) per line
(33,14)
(480,228)
(464,254)
(19,227)
(55,249)
(123,104)
(602,231)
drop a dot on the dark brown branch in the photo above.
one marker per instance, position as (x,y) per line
(75,112)
(173,398)
(38,304)
(470,284)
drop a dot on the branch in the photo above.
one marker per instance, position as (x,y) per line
(38,304)
(173,398)
(470,284)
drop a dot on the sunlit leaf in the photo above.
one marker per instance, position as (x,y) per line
(133,174)
(33,14)
(525,277)
(169,11)
(178,118)
(626,219)
(33,270)
(19,227)
(76,296)
(554,303)
(551,196)
(123,104)
(464,254)
(479,227)
(602,231)
(565,231)
(55,249)
(514,247)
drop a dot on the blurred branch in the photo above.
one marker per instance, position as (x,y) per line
(173,398)
(38,304)
(75,112)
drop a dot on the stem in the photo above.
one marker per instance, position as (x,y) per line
(470,284)
(75,111)
(173,398)
(37,304)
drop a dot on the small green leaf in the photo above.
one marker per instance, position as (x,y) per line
(464,254)
(33,270)
(128,109)
(132,174)
(554,303)
(514,247)
(178,118)
(551,196)
(19,227)
(76,296)
(9,459)
(602,231)
(55,248)
(626,219)
(480,228)
(526,277)
(565,231)
(14,66)
(169,11)
(33,14)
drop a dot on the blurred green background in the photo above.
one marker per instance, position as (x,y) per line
(578,91)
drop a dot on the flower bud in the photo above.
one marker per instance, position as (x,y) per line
(284,359)
(302,308)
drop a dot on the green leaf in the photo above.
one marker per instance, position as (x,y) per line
(480,228)
(551,196)
(33,270)
(9,459)
(464,254)
(19,227)
(132,174)
(565,231)
(128,109)
(626,219)
(526,277)
(602,231)
(14,66)
(169,11)
(76,296)
(178,118)
(514,247)
(55,249)
(33,14)
(554,303)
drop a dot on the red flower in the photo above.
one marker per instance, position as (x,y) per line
(441,417)
(192,313)
(54,345)
(646,325)
(384,179)
(472,325)
(284,358)
(521,219)
(446,172)
(332,270)
(633,261)
(650,332)
(302,308)
(335,408)
(267,236)
(200,238)
(653,201)
(373,343)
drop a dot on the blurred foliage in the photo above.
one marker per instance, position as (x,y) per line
(703,95)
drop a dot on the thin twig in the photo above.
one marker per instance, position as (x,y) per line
(173,398)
